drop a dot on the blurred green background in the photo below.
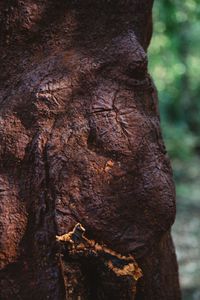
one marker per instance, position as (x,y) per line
(174,62)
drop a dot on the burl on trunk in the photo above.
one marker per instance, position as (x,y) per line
(87,196)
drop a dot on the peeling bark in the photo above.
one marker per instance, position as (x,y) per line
(80,142)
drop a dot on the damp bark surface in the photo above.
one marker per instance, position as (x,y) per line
(80,142)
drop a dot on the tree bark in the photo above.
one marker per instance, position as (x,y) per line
(80,142)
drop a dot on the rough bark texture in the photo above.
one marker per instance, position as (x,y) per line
(80,142)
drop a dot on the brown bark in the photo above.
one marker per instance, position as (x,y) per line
(80,142)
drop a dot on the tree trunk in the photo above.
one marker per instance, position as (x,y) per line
(80,142)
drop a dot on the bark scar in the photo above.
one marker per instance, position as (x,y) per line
(121,265)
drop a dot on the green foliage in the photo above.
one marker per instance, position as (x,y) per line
(175,67)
